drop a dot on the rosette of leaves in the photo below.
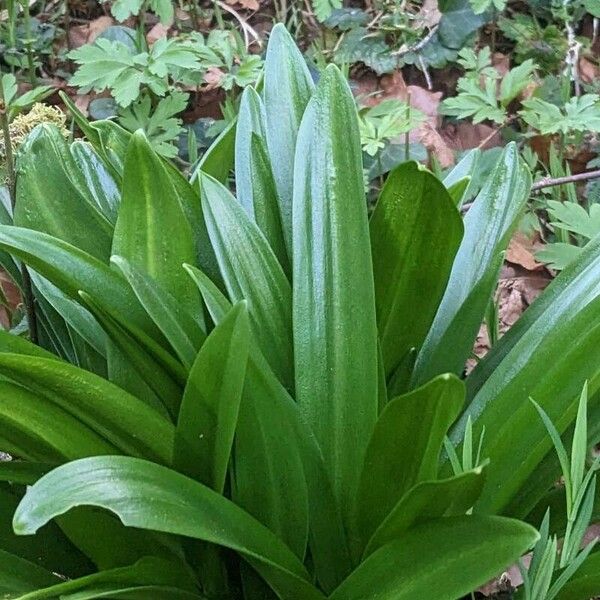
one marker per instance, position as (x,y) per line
(244,397)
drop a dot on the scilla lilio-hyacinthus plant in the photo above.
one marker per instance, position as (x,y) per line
(248,397)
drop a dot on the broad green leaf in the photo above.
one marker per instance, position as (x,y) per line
(52,195)
(138,592)
(99,182)
(49,549)
(16,344)
(19,576)
(217,161)
(73,313)
(428,500)
(415,233)
(36,428)
(148,496)
(70,269)
(163,374)
(147,571)
(152,232)
(251,120)
(328,542)
(335,331)
(287,90)
(532,360)
(251,272)
(23,472)
(118,417)
(405,448)
(585,583)
(209,408)
(488,227)
(254,182)
(177,325)
(442,559)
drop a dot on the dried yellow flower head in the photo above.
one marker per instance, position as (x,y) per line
(23,124)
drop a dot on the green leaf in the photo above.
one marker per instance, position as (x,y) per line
(35,428)
(532,360)
(209,409)
(428,500)
(148,496)
(255,186)
(52,196)
(19,576)
(152,231)
(488,227)
(218,160)
(442,559)
(278,461)
(251,272)
(586,582)
(178,326)
(146,571)
(559,255)
(71,270)
(50,549)
(404,449)
(335,333)
(287,89)
(415,233)
(118,417)
(100,184)
(162,373)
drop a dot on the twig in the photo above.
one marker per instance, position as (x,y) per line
(425,71)
(551,182)
(12,192)
(419,45)
(248,30)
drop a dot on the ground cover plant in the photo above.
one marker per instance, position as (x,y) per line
(263,395)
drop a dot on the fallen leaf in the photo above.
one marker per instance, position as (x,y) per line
(588,71)
(82,102)
(157,32)
(435,144)
(464,135)
(80,35)
(213,77)
(247,4)
(521,251)
(429,15)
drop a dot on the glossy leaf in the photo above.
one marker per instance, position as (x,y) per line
(217,161)
(52,195)
(328,543)
(405,447)
(251,272)
(442,559)
(35,428)
(152,232)
(148,496)
(287,89)
(177,325)
(71,270)
(428,500)
(488,227)
(335,332)
(99,182)
(19,576)
(415,233)
(533,360)
(209,409)
(117,416)
(585,583)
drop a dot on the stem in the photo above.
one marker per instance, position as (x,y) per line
(12,192)
(28,43)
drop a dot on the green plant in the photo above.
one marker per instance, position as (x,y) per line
(146,83)
(268,418)
(479,96)
(540,582)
